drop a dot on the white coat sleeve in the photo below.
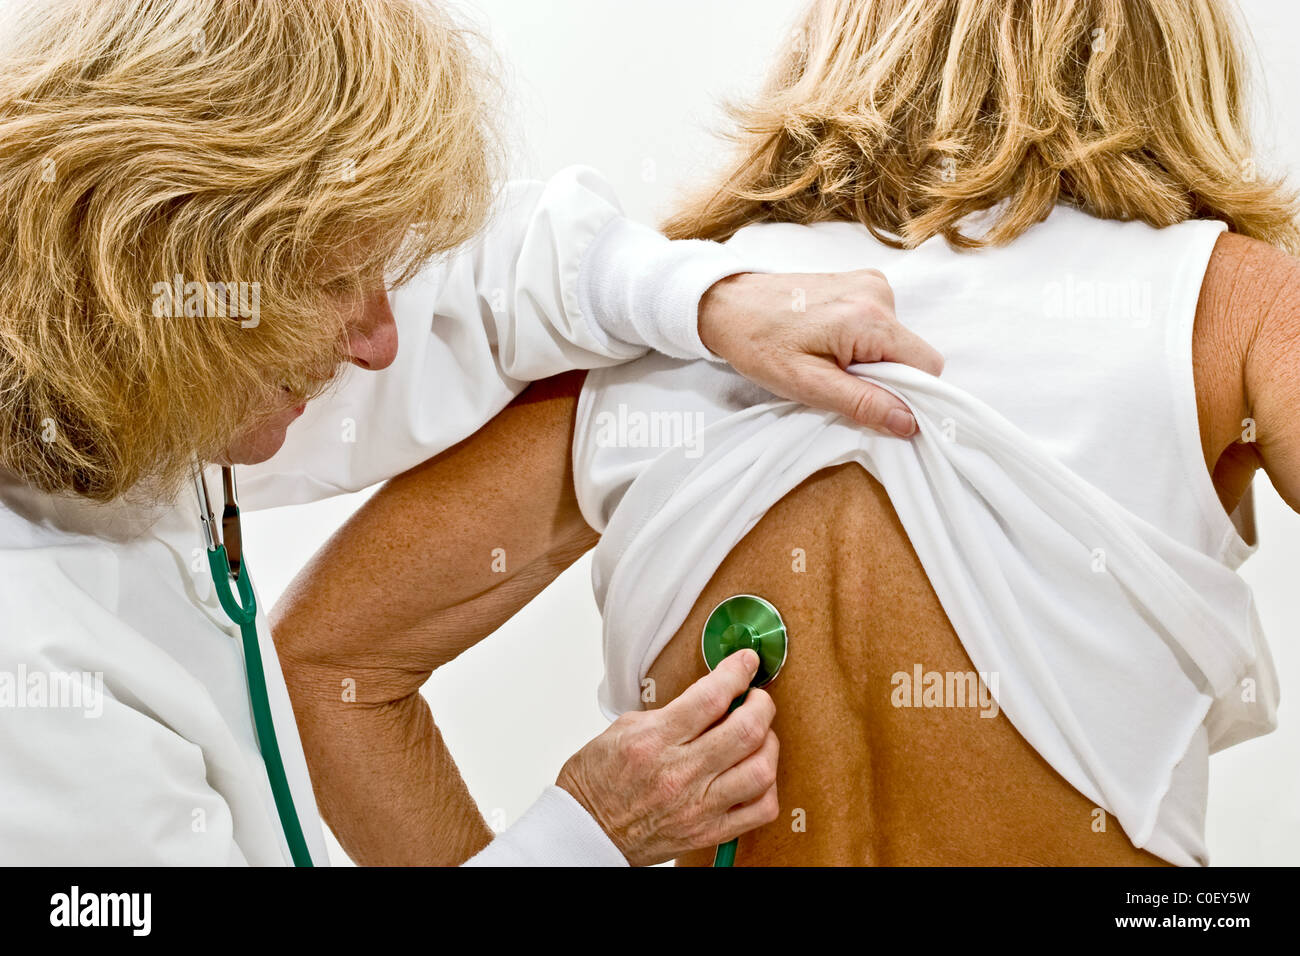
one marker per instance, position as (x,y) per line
(554,831)
(559,280)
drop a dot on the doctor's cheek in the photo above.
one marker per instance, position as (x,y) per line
(371,344)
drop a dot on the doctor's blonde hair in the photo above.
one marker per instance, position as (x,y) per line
(300,149)
(908,115)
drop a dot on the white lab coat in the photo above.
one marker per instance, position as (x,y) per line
(162,767)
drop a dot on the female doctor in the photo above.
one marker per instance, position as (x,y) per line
(216,211)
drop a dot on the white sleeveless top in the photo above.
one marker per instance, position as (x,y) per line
(1056,495)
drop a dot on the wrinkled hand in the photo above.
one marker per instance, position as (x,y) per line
(665,781)
(794,334)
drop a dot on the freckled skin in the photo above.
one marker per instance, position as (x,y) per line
(402,591)
(880,785)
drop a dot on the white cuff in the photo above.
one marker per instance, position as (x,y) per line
(643,289)
(554,831)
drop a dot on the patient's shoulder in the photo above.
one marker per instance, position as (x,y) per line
(1247,280)
(1246,350)
(1250,301)
(1243,264)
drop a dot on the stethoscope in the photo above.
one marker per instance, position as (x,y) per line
(741,621)
(228,566)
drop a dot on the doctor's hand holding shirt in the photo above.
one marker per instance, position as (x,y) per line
(126,735)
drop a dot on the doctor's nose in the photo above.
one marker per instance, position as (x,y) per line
(372,342)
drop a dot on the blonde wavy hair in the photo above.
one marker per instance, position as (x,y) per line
(908,115)
(304,148)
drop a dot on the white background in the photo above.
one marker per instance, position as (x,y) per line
(632,89)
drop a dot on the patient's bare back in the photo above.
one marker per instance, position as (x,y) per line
(875,769)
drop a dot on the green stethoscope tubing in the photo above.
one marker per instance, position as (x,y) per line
(741,621)
(244,613)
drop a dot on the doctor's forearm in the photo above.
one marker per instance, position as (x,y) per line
(384,779)
(383,776)
(405,586)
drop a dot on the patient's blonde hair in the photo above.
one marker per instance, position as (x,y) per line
(908,115)
(301,147)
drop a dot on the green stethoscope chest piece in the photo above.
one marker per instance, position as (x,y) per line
(742,621)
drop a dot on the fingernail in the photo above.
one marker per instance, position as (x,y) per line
(901,423)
